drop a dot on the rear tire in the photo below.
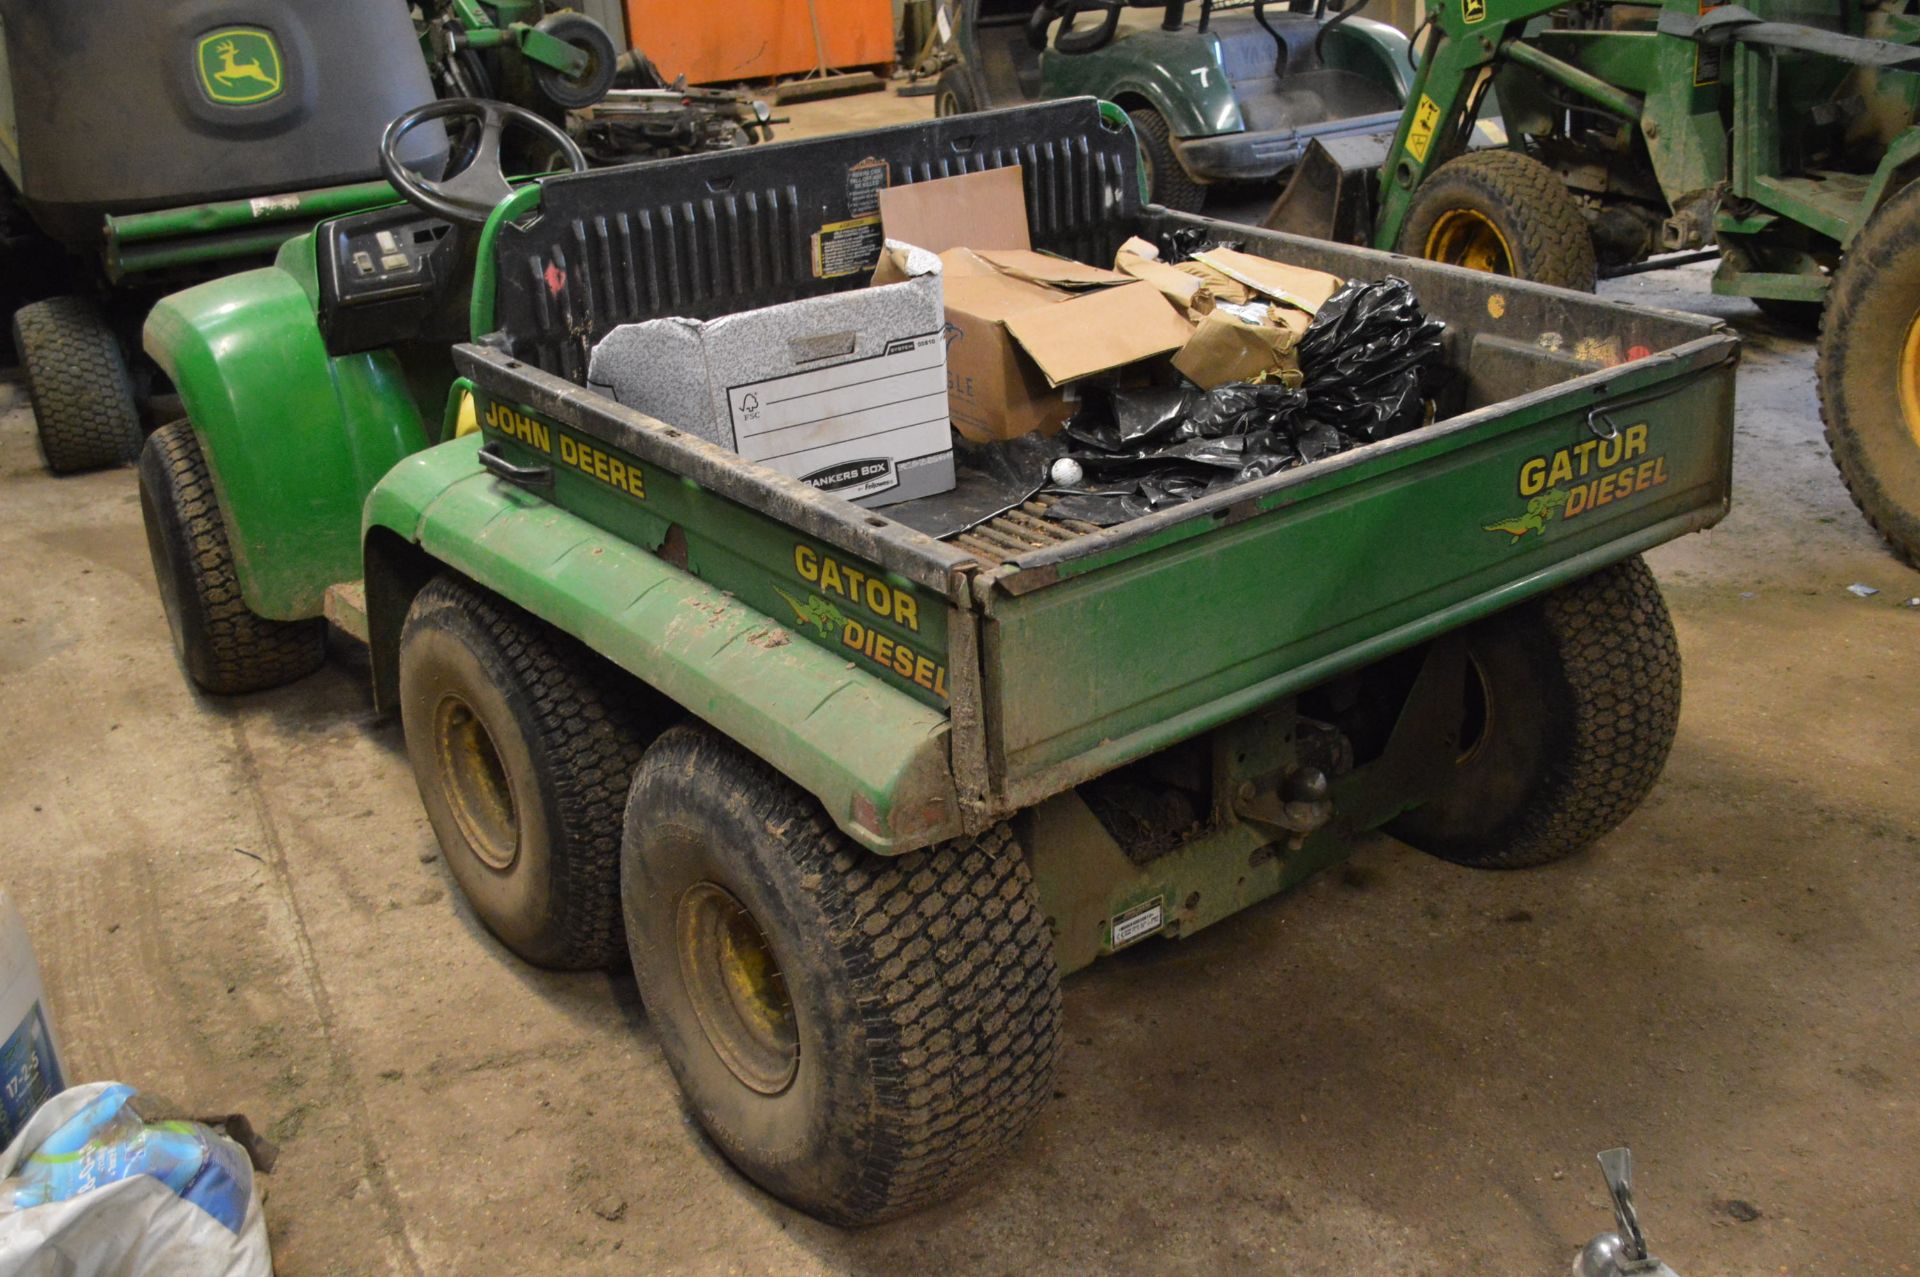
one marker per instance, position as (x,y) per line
(1572,703)
(857,1034)
(571,93)
(225,646)
(1503,212)
(1167,182)
(83,402)
(1869,372)
(523,753)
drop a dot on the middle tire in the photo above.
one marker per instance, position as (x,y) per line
(523,749)
(1503,212)
(856,1033)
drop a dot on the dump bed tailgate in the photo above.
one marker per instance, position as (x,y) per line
(1107,648)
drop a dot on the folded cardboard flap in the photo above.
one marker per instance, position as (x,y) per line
(984,210)
(1099,331)
(1294,286)
(1225,349)
(1054,272)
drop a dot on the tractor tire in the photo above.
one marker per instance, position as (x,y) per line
(523,748)
(1167,182)
(1503,212)
(1869,372)
(573,93)
(953,94)
(857,1034)
(225,647)
(83,402)
(1572,702)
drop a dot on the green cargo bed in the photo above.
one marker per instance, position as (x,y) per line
(1579,432)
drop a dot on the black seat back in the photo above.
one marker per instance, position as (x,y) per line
(714,234)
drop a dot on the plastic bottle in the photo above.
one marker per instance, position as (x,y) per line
(29,1064)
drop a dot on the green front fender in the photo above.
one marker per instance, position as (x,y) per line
(295,439)
(876,758)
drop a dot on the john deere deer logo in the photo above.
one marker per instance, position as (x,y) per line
(239,66)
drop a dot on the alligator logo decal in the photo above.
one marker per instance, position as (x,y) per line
(815,612)
(1540,511)
(239,66)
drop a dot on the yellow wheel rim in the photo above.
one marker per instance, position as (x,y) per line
(478,789)
(737,990)
(1910,379)
(1464,237)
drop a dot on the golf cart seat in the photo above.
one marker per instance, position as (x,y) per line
(1278,77)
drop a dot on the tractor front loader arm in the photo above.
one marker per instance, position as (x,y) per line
(1465,41)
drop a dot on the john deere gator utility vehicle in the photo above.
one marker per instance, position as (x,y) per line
(1779,137)
(147,146)
(849,798)
(1218,90)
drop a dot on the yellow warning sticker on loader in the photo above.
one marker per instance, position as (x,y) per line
(1420,137)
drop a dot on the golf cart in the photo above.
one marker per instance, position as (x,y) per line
(1218,90)
(850,797)
(200,138)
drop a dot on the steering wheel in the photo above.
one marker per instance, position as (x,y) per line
(470,194)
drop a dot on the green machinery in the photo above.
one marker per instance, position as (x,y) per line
(852,799)
(1778,137)
(523,51)
(201,142)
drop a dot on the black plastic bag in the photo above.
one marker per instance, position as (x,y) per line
(1181,243)
(1371,359)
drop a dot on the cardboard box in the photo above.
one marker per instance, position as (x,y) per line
(847,392)
(1022,326)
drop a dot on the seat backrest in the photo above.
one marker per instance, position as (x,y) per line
(714,234)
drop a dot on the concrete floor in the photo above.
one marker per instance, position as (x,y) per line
(1404,1067)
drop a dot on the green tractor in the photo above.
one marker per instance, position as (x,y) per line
(147,147)
(1647,135)
(1218,90)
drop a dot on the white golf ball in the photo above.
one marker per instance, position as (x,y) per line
(1067,472)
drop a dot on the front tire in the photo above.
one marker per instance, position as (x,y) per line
(1572,703)
(1869,372)
(224,645)
(1167,182)
(522,751)
(857,1034)
(1502,212)
(77,380)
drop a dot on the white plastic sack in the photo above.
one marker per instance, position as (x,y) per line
(91,1189)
